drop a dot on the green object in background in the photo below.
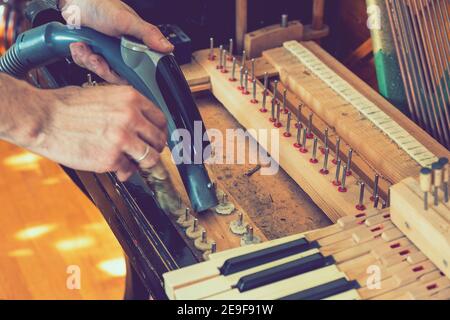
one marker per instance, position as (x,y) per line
(389,78)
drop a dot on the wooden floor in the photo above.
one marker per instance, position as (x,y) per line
(47,226)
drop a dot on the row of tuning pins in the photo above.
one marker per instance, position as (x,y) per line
(303,132)
(435,180)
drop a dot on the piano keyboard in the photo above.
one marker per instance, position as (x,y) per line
(361,257)
(380,119)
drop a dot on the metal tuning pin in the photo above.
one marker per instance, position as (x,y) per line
(224,61)
(266,84)
(375,187)
(272,119)
(225,207)
(89,80)
(445,175)
(211,55)
(383,204)
(303,148)
(324,169)
(314,152)
(298,143)
(254,100)
(238,226)
(325,141)
(299,115)
(360,206)
(186,220)
(245,91)
(244,59)
(284,20)
(275,90)
(437,181)
(343,187)
(337,150)
(219,66)
(230,49)
(376,201)
(202,243)
(207,253)
(194,231)
(278,122)
(253,69)
(233,70)
(287,133)
(337,181)
(285,109)
(264,101)
(349,162)
(241,79)
(310,123)
(249,237)
(425,181)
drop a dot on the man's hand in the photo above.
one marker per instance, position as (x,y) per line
(98,129)
(114,18)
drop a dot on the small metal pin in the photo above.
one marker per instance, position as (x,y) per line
(241,79)
(278,122)
(250,233)
(195,226)
(187,214)
(287,133)
(437,181)
(336,181)
(375,201)
(231,49)
(272,119)
(314,152)
(245,91)
(266,84)
(264,101)
(383,204)
(337,150)
(349,162)
(284,102)
(213,247)
(211,55)
(244,58)
(303,149)
(233,70)
(284,20)
(224,62)
(299,115)
(375,187)
(275,89)
(324,169)
(219,66)
(325,141)
(204,238)
(298,143)
(253,69)
(89,79)
(241,219)
(254,100)
(445,174)
(310,122)
(360,206)
(343,187)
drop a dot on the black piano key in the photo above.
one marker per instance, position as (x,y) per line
(284,271)
(324,291)
(257,258)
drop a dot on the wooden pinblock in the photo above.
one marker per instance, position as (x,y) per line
(270,37)
(428,229)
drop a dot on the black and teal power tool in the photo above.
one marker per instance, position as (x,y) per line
(156,76)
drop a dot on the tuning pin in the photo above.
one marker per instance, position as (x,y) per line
(303,148)
(219,66)
(437,180)
(349,162)
(230,49)
(233,70)
(266,84)
(203,243)
(298,143)
(299,116)
(375,187)
(249,237)
(253,69)
(241,79)
(285,109)
(244,58)
(343,187)
(360,206)
(194,231)
(210,252)
(314,152)
(445,174)
(425,181)
(284,20)
(273,119)
(337,150)
(287,133)
(325,141)
(275,90)
(225,207)
(264,101)
(211,55)
(224,61)
(278,122)
(336,181)
(238,226)
(89,79)
(310,123)
(245,91)
(375,201)
(324,169)
(254,100)
(186,220)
